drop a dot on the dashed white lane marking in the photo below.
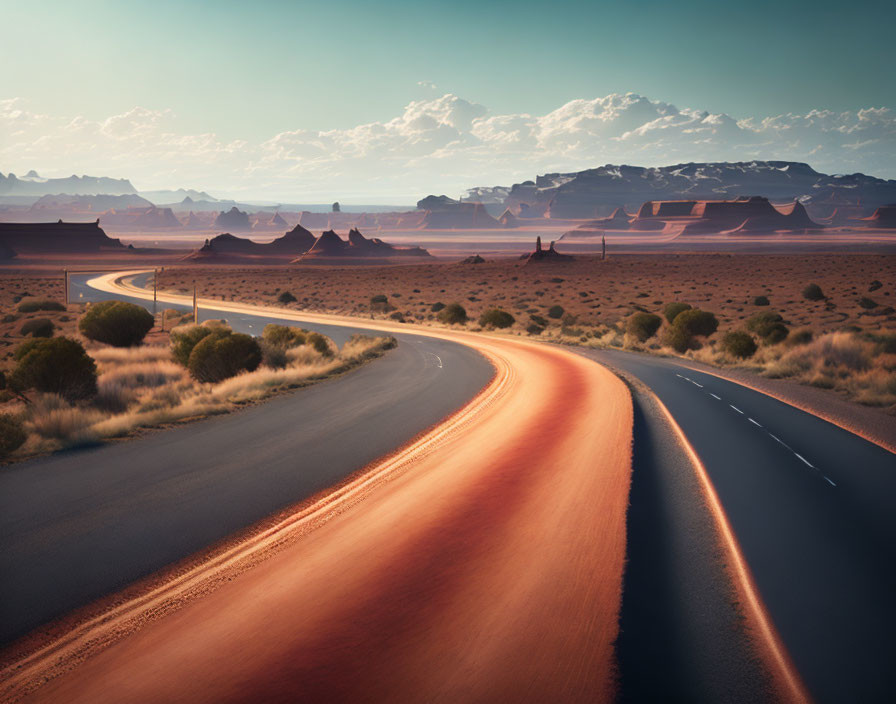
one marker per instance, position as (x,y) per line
(736,409)
(695,383)
(807,462)
(754,422)
(717,398)
(439,359)
(830,482)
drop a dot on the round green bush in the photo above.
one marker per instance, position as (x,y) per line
(55,365)
(12,435)
(555,312)
(320,343)
(678,338)
(867,303)
(286,297)
(215,358)
(117,323)
(534,329)
(769,326)
(39,327)
(496,318)
(813,292)
(538,320)
(185,337)
(672,310)
(283,336)
(32,305)
(453,314)
(761,301)
(643,326)
(696,322)
(738,344)
(437,306)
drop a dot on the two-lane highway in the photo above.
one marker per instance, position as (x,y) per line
(812,507)
(80,524)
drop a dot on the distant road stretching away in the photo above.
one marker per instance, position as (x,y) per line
(813,507)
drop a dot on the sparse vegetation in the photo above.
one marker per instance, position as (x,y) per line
(867,303)
(33,305)
(643,326)
(738,344)
(769,326)
(761,301)
(12,435)
(218,357)
(284,336)
(555,312)
(672,310)
(496,318)
(38,327)
(286,297)
(56,365)
(116,323)
(813,292)
(453,314)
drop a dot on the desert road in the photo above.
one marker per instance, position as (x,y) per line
(483,563)
(76,525)
(812,507)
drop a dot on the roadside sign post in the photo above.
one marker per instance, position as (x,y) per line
(195,306)
(65,285)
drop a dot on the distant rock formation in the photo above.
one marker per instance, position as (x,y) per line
(473,259)
(53,237)
(193,221)
(331,248)
(508,219)
(233,219)
(619,220)
(6,252)
(546,255)
(884,217)
(33,185)
(584,195)
(295,242)
(275,222)
(152,217)
(75,204)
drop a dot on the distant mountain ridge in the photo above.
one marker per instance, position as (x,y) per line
(33,184)
(595,193)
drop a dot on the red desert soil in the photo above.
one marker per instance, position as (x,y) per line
(489,569)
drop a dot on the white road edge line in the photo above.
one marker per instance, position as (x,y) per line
(736,409)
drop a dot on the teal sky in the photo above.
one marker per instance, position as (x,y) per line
(252,69)
(391,100)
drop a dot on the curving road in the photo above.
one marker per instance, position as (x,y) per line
(812,507)
(77,525)
(483,563)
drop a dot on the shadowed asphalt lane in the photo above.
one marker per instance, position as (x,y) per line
(81,524)
(812,508)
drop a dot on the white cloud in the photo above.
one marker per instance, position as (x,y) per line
(443,145)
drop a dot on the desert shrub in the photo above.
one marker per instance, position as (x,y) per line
(32,305)
(218,357)
(874,285)
(380,303)
(885,343)
(186,337)
(437,306)
(286,297)
(678,338)
(12,435)
(534,329)
(496,318)
(10,318)
(643,326)
(397,315)
(283,336)
(738,344)
(321,344)
(867,303)
(813,292)
(769,326)
(38,327)
(672,310)
(117,323)
(555,312)
(452,314)
(799,337)
(696,322)
(56,365)
(760,301)
(538,320)
(273,356)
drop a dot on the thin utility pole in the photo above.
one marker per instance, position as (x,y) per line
(65,284)
(155,285)
(195,306)
(603,243)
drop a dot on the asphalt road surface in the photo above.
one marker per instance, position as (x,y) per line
(80,524)
(812,507)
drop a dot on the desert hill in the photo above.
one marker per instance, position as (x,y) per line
(331,248)
(51,237)
(595,193)
(34,185)
(233,219)
(295,242)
